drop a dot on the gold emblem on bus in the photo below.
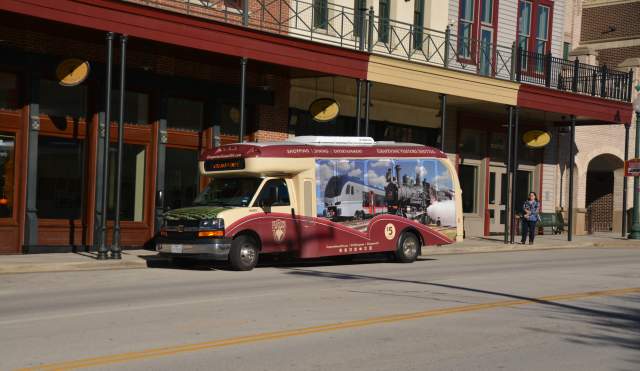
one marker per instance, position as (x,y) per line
(279,229)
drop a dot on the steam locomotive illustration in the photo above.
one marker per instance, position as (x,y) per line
(409,196)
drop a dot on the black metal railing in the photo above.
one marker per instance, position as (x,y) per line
(574,76)
(361,29)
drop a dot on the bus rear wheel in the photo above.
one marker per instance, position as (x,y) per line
(243,255)
(408,248)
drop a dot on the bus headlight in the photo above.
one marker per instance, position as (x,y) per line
(216,223)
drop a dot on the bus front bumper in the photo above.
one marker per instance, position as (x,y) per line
(210,248)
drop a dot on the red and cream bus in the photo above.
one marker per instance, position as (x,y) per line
(317,197)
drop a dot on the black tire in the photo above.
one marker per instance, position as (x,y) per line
(408,248)
(243,255)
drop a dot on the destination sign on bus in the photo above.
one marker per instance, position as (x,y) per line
(224,164)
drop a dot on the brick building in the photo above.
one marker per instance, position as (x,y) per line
(425,67)
(603,33)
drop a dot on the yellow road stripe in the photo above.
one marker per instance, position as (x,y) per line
(166,351)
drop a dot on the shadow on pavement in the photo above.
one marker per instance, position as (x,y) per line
(612,325)
(157,261)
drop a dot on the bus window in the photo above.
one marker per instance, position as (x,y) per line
(274,193)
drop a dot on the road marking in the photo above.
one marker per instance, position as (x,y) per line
(173,350)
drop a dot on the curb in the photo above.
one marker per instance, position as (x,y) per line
(139,263)
(516,247)
(70,266)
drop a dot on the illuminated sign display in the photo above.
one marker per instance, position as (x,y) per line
(224,164)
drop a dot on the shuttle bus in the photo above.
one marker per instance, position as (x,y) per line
(317,197)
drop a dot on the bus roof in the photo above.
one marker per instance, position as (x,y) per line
(322,147)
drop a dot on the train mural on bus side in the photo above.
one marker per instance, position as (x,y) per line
(351,192)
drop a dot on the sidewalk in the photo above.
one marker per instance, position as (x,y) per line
(542,242)
(131,259)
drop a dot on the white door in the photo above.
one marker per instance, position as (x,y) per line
(498,188)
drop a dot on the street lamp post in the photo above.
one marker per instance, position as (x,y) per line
(635,228)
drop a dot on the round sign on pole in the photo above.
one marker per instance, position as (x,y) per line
(72,72)
(536,138)
(324,109)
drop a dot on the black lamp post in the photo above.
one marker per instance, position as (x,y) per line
(635,227)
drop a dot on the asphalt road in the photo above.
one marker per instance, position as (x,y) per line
(540,310)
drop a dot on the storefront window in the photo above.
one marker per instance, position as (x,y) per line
(473,143)
(136,107)
(497,147)
(184,114)
(60,173)
(230,119)
(7,171)
(523,187)
(301,123)
(406,133)
(469,183)
(180,177)
(133,182)
(8,91)
(62,101)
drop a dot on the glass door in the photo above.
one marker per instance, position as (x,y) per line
(498,188)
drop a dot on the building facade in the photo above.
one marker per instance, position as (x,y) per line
(601,33)
(414,71)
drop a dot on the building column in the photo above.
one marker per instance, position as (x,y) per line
(625,184)
(367,105)
(443,119)
(115,246)
(358,107)
(572,141)
(161,104)
(103,248)
(243,93)
(507,223)
(31,217)
(514,175)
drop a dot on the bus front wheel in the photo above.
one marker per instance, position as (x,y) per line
(408,248)
(243,255)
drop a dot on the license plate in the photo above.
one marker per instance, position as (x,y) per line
(176,249)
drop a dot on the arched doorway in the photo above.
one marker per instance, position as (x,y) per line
(601,185)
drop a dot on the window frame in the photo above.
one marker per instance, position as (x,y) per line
(263,187)
(15,211)
(477,25)
(532,38)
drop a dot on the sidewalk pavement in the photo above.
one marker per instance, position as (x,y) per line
(65,262)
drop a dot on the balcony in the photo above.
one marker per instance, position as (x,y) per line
(362,30)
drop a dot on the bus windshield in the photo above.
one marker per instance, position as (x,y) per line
(228,192)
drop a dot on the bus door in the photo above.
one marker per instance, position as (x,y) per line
(276,227)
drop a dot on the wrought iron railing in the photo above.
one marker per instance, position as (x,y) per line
(361,29)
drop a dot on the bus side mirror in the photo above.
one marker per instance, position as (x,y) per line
(265,205)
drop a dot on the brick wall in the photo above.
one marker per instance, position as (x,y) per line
(614,56)
(623,17)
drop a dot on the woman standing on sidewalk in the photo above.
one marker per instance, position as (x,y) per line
(530,218)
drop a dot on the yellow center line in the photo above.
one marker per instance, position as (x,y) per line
(172,350)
